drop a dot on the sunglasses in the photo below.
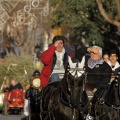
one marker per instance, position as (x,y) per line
(91,52)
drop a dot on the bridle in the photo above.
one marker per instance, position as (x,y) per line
(54,102)
(74,73)
(101,101)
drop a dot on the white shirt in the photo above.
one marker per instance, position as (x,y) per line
(113,69)
(59,67)
(116,65)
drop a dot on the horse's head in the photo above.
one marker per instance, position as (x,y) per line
(75,84)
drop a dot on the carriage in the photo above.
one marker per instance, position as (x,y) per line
(68,100)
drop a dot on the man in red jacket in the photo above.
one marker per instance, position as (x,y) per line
(55,60)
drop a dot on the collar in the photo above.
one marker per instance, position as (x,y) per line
(116,65)
(60,54)
(92,63)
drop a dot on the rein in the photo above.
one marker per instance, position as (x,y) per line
(67,101)
(112,107)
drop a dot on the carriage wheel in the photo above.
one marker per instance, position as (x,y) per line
(4,111)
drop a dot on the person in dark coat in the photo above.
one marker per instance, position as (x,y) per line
(14,85)
(98,71)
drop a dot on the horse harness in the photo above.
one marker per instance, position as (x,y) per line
(51,107)
(102,100)
(64,99)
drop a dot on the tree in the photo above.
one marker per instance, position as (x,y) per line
(19,68)
(95,20)
(110,11)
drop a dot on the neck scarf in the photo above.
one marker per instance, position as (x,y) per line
(92,63)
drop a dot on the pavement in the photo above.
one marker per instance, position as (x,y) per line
(10,117)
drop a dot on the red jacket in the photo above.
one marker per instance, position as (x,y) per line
(47,58)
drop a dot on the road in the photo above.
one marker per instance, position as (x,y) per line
(10,117)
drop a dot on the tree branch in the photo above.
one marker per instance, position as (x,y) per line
(103,13)
(117,2)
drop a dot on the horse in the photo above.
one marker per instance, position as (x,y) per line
(106,102)
(65,100)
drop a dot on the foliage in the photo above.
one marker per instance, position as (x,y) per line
(15,67)
(82,18)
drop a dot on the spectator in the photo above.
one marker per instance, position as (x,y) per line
(106,57)
(55,60)
(98,71)
(14,85)
(114,64)
(113,57)
(68,50)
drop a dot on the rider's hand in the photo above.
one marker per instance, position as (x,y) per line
(89,49)
(57,42)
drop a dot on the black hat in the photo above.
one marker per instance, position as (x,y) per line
(56,38)
(36,73)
